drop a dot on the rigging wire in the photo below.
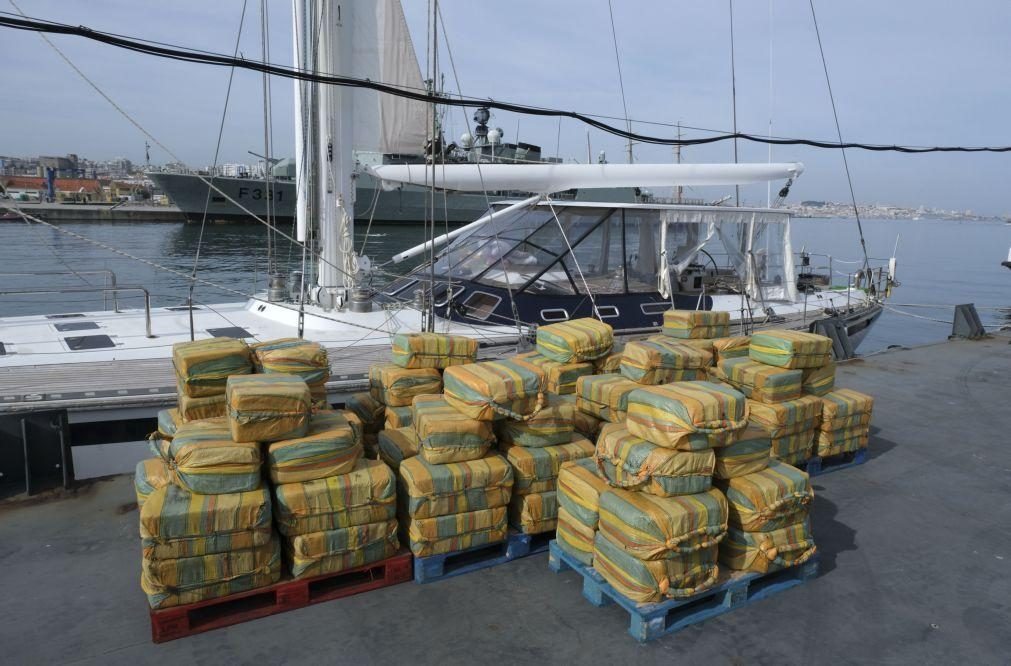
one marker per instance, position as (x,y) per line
(733,96)
(621,80)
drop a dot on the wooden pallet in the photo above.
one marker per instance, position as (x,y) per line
(825,464)
(180,621)
(516,545)
(653,620)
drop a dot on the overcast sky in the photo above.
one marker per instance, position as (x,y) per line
(921,72)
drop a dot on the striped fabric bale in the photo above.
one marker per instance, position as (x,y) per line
(730,347)
(687,415)
(663,361)
(604,396)
(790,349)
(171,514)
(585,424)
(795,448)
(648,527)
(534,513)
(760,382)
(559,378)
(159,447)
(574,537)
(536,469)
(446,434)
(579,489)
(696,324)
(398,417)
(508,388)
(332,551)
(329,448)
(397,445)
(629,462)
(207,461)
(197,409)
(612,362)
(368,494)
(552,425)
(457,531)
(704,344)
(169,421)
(204,366)
(193,546)
(767,500)
(293,356)
(396,387)
(432,350)
(370,411)
(268,408)
(648,581)
(819,381)
(150,475)
(201,570)
(575,341)
(764,552)
(841,441)
(786,417)
(845,408)
(428,490)
(750,453)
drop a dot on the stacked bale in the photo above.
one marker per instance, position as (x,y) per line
(395,387)
(372,414)
(295,356)
(790,426)
(696,324)
(662,360)
(845,422)
(579,489)
(559,378)
(202,368)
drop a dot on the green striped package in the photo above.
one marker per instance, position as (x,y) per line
(575,341)
(509,388)
(206,460)
(428,490)
(458,531)
(630,462)
(767,500)
(687,415)
(446,434)
(329,448)
(764,552)
(759,382)
(395,386)
(750,453)
(536,469)
(552,425)
(696,324)
(432,350)
(790,349)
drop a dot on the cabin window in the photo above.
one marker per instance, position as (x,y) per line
(654,308)
(401,288)
(607,311)
(480,305)
(555,314)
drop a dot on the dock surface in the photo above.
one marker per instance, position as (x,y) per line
(915,565)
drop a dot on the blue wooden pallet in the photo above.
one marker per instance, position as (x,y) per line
(825,464)
(651,621)
(438,567)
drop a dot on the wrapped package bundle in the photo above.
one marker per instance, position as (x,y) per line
(786,417)
(534,513)
(629,462)
(151,474)
(790,349)
(604,396)
(767,500)
(845,408)
(509,388)
(760,382)
(428,490)
(559,378)
(268,408)
(818,381)
(841,441)
(575,341)
(732,347)
(207,461)
(399,417)
(204,366)
(611,363)
(447,435)
(663,362)
(397,445)
(293,356)
(201,570)
(332,551)
(330,447)
(579,489)
(585,424)
(536,469)
(687,415)
(396,387)
(197,409)
(696,324)
(368,494)
(371,412)
(457,531)
(794,448)
(763,552)
(169,421)
(552,425)
(159,447)
(574,537)
(750,453)
(648,581)
(432,350)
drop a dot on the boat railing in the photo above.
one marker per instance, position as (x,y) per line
(110,281)
(90,289)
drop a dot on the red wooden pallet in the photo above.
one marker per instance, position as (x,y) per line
(180,621)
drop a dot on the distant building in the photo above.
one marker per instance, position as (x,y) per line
(33,188)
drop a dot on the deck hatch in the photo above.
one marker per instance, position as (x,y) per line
(64,316)
(85,342)
(76,326)
(182,308)
(230,332)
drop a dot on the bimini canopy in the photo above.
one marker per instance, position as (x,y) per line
(547,178)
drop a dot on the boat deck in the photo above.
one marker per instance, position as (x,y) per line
(915,557)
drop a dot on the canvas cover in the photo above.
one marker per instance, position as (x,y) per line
(574,537)
(730,347)
(293,356)
(197,409)
(790,349)
(750,453)
(696,324)
(508,388)
(330,447)
(553,424)
(432,350)
(627,461)
(767,500)
(759,382)
(794,448)
(560,378)
(397,445)
(819,381)
(206,460)
(840,441)
(396,387)
(687,415)
(662,362)
(604,396)
(168,421)
(204,366)
(845,408)
(446,434)
(536,469)
(399,417)
(308,566)
(341,541)
(368,494)
(786,417)
(428,490)
(171,513)
(534,513)
(764,552)
(649,581)
(585,424)
(610,363)
(202,570)
(371,412)
(193,546)
(268,408)
(150,475)
(575,341)
(457,531)
(579,488)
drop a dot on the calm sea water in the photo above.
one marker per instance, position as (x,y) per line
(940,262)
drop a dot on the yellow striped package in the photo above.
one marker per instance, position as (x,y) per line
(794,448)
(841,441)
(790,349)
(293,356)
(786,417)
(552,425)
(604,396)
(397,445)
(575,341)
(687,415)
(648,527)
(731,347)
(329,448)
(203,570)
(775,497)
(206,460)
(574,537)
(536,469)
(559,378)
(585,424)
(368,494)
(398,417)
(663,361)
(204,366)
(432,350)
(197,409)
(648,581)
(332,551)
(396,387)
(268,408)
(629,462)
(750,453)
(508,388)
(150,475)
(760,382)
(193,546)
(845,408)
(534,513)
(763,552)
(169,421)
(612,362)
(177,523)
(428,490)
(447,435)
(579,488)
(370,411)
(819,381)
(457,531)
(696,324)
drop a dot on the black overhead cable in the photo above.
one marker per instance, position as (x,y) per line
(192,55)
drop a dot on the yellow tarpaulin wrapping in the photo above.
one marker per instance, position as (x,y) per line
(534,513)
(206,460)
(772,498)
(687,415)
(331,447)
(203,366)
(395,386)
(268,408)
